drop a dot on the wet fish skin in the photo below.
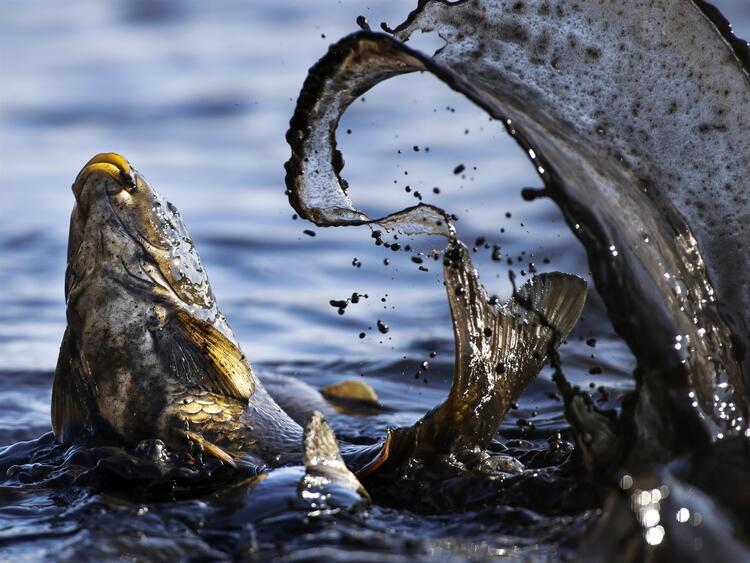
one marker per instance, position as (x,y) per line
(148,353)
(146,343)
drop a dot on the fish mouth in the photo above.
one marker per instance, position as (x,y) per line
(109,164)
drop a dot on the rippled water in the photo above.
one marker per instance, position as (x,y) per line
(198,97)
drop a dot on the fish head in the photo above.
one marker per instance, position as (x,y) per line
(143,324)
(122,227)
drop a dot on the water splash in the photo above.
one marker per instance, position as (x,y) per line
(633,130)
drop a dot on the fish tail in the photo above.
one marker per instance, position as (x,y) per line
(500,349)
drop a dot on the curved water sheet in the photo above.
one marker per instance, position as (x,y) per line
(635,115)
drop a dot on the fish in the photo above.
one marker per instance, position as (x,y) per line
(148,359)
(499,351)
(147,353)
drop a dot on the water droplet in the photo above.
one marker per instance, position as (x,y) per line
(683,515)
(655,535)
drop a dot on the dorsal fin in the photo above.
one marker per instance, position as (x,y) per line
(208,358)
(320,446)
(322,456)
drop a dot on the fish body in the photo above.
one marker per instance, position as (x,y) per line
(147,354)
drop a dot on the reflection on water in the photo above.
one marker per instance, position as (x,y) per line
(198,97)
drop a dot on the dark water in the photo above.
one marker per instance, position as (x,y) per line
(198,98)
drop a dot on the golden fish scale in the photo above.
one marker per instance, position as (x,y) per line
(209,411)
(216,418)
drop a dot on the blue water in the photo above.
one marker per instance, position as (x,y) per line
(197,95)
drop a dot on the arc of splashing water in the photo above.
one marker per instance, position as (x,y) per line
(635,116)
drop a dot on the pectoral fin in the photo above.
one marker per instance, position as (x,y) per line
(206,358)
(211,448)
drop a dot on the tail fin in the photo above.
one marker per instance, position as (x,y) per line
(515,338)
(547,307)
(499,350)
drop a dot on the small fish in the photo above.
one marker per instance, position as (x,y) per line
(499,351)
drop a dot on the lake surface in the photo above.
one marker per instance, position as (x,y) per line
(198,97)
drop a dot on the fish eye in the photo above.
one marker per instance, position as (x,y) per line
(120,190)
(124,184)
